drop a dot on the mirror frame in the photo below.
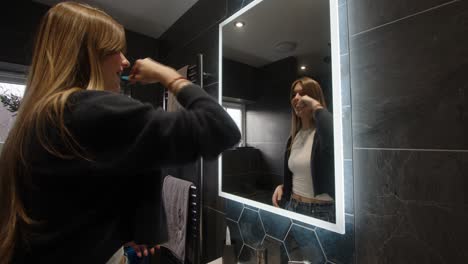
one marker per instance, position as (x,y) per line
(339,226)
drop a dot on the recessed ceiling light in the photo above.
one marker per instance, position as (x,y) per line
(303,67)
(240,24)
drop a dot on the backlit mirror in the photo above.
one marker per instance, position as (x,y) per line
(280,80)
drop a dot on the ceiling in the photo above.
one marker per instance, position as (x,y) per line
(148,17)
(304,22)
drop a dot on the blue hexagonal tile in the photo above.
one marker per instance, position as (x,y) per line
(275,225)
(304,224)
(349,186)
(302,244)
(247,256)
(251,228)
(276,252)
(233,209)
(236,238)
(251,207)
(339,248)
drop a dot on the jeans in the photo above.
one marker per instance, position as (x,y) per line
(325,211)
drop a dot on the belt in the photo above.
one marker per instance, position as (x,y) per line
(303,199)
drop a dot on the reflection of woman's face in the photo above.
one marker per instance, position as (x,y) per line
(300,109)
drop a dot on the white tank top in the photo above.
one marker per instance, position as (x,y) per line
(299,165)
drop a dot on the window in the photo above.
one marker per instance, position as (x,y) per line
(237,113)
(11,88)
(10,96)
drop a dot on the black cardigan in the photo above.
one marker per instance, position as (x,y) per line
(86,208)
(322,162)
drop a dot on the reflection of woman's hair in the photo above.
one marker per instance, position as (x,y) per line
(311,88)
(71,43)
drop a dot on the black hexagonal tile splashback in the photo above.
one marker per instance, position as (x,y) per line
(251,228)
(302,244)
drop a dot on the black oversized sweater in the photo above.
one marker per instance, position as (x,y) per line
(85,208)
(322,164)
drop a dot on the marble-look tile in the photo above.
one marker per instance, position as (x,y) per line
(233,6)
(201,16)
(268,123)
(18,30)
(409,82)
(236,236)
(210,189)
(345,82)
(367,14)
(206,43)
(247,255)
(411,206)
(273,159)
(434,178)
(233,209)
(140,46)
(276,252)
(349,186)
(347,133)
(251,228)
(214,227)
(338,248)
(275,225)
(343,26)
(302,244)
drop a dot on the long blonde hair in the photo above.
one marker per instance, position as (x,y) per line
(311,88)
(71,43)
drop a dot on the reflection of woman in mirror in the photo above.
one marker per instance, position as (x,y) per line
(309,184)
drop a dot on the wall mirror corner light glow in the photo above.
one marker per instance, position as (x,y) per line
(264,48)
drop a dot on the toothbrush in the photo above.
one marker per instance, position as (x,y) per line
(125,78)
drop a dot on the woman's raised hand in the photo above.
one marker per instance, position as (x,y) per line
(306,101)
(149,71)
(277,195)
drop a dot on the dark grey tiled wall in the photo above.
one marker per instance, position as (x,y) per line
(18,27)
(410,110)
(269,119)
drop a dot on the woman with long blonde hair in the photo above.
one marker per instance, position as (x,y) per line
(66,167)
(309,183)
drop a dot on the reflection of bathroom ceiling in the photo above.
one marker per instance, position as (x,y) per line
(148,17)
(305,23)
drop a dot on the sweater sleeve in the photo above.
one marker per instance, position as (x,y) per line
(125,134)
(324,124)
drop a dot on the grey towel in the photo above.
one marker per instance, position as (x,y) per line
(175,195)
